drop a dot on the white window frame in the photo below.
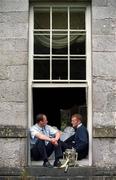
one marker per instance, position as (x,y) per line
(84,83)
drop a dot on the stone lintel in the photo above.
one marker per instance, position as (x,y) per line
(104,132)
(12,132)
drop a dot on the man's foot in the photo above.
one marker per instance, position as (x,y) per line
(47,164)
(57,163)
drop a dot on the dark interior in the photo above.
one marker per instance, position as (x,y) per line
(53,101)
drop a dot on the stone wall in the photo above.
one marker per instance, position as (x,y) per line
(13,81)
(104,82)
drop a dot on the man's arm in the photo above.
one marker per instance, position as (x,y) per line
(56,138)
(57,135)
(43,137)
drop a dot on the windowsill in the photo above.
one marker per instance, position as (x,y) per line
(83,162)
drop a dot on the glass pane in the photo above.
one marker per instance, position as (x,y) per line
(59,18)
(77,43)
(60,43)
(41,69)
(41,44)
(78,69)
(77,18)
(42,18)
(59,69)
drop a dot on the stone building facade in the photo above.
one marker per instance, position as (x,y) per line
(14,73)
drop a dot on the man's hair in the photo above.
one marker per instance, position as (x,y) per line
(78,116)
(39,117)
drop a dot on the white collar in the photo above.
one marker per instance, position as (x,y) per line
(79,125)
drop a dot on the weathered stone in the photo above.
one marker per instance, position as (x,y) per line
(13,113)
(103,26)
(104,102)
(12,152)
(46,1)
(104,152)
(11,44)
(13,82)
(103,12)
(13,6)
(3,73)
(14,17)
(12,132)
(13,58)
(78,173)
(11,30)
(17,72)
(104,132)
(99,3)
(111,3)
(13,91)
(99,101)
(104,43)
(111,102)
(105,119)
(104,65)
(103,85)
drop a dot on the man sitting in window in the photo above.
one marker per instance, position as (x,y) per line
(45,140)
(79,140)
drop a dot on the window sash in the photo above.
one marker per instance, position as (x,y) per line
(57,34)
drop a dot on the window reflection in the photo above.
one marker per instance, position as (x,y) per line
(59,69)
(59,18)
(78,69)
(41,69)
(42,18)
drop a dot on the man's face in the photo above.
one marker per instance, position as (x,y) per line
(44,121)
(75,121)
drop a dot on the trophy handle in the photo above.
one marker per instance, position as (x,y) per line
(76,156)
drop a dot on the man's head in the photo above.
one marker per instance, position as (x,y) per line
(41,119)
(76,120)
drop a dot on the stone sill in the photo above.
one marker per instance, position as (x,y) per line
(12,132)
(104,132)
(21,132)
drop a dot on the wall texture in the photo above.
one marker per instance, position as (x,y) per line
(104,81)
(14,16)
(13,81)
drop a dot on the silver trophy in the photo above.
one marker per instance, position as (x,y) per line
(70,156)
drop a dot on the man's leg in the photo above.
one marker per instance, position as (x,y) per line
(39,151)
(66,145)
(49,148)
(58,152)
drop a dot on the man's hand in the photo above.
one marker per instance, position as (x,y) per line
(54,141)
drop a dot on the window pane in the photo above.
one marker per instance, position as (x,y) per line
(42,18)
(77,43)
(59,69)
(77,69)
(41,44)
(77,18)
(60,43)
(41,69)
(59,18)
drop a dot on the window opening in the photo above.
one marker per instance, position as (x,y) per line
(60,64)
(59,104)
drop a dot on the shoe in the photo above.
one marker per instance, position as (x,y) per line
(57,163)
(47,164)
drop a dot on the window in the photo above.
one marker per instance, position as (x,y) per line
(60,63)
(59,36)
